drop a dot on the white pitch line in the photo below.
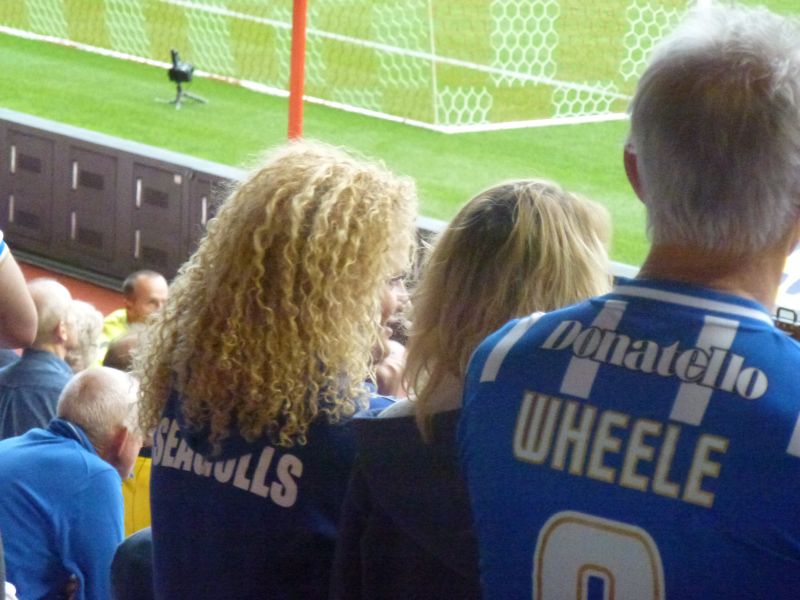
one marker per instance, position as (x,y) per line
(445,60)
(273,91)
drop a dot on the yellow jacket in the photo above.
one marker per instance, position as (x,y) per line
(114,325)
(136,496)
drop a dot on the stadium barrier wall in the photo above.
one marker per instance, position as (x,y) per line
(99,207)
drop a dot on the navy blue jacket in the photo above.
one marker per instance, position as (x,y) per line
(29,391)
(406,528)
(254,521)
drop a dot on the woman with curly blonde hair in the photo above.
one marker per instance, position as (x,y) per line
(516,248)
(252,369)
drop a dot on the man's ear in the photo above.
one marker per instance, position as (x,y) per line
(632,170)
(61,332)
(113,448)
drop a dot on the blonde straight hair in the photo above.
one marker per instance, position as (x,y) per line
(516,248)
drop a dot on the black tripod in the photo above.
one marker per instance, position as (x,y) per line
(180,73)
(183,94)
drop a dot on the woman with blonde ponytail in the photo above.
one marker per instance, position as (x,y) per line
(514,249)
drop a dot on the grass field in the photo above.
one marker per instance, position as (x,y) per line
(496,60)
(119,98)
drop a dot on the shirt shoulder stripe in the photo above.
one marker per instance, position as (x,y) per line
(498,354)
(694,302)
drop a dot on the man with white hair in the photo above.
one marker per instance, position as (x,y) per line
(29,387)
(646,443)
(61,500)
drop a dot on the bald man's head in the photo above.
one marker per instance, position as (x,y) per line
(103,402)
(145,292)
(53,302)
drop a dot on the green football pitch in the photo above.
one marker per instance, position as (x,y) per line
(121,98)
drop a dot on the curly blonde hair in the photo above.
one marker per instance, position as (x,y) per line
(514,249)
(270,324)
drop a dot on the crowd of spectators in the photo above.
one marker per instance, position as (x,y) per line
(306,411)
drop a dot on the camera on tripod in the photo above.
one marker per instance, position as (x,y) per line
(180,73)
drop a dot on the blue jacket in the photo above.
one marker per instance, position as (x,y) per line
(29,390)
(60,513)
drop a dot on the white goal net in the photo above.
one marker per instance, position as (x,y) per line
(449,65)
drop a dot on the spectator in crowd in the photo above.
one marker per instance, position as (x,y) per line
(406,527)
(398,323)
(88,326)
(135,489)
(29,387)
(390,355)
(18,315)
(254,367)
(132,568)
(61,506)
(119,354)
(647,441)
(144,292)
